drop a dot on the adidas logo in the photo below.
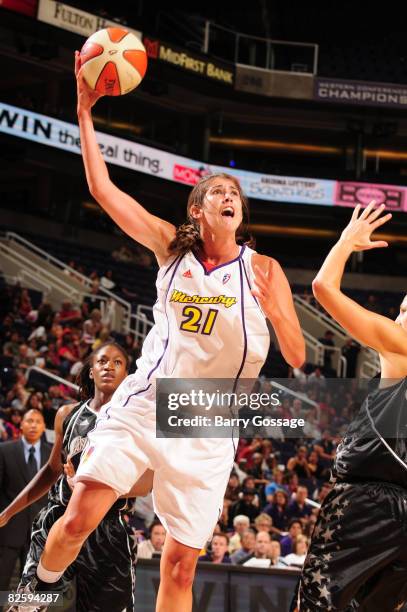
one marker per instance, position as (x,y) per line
(187,274)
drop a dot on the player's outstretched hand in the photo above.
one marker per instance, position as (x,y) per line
(87,96)
(360,228)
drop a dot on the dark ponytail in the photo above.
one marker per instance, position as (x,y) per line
(187,238)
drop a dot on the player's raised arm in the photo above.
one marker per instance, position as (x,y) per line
(378,332)
(147,229)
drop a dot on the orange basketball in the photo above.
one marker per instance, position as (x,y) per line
(114,61)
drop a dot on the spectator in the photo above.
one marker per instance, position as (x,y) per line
(224,517)
(17,396)
(24,359)
(241,523)
(299,463)
(25,306)
(248,544)
(12,346)
(154,545)
(322,492)
(107,281)
(34,401)
(45,315)
(93,300)
(132,347)
(276,484)
(69,316)
(350,351)
(325,447)
(317,378)
(263,522)
(276,560)
(297,557)
(297,410)
(12,425)
(299,508)
(257,469)
(248,451)
(219,550)
(261,554)
(277,510)
(244,506)
(328,341)
(92,327)
(315,466)
(19,462)
(124,254)
(294,530)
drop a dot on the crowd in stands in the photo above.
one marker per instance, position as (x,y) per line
(267,519)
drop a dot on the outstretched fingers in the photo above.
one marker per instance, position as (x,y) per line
(381,221)
(368,210)
(355,213)
(378,244)
(376,212)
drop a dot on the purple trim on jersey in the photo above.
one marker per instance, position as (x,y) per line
(169,267)
(168,325)
(208,272)
(244,326)
(166,342)
(250,287)
(131,395)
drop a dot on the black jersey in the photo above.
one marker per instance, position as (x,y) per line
(374,447)
(76,427)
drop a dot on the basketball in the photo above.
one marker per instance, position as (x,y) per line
(114,61)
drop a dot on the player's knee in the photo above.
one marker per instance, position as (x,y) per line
(77,526)
(183,573)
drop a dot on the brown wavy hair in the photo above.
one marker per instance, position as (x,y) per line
(188,236)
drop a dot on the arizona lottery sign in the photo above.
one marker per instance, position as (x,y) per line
(52,132)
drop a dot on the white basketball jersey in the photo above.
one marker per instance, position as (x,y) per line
(207,324)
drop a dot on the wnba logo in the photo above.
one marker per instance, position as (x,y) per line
(87,454)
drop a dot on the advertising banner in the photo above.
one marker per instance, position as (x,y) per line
(149,160)
(350,194)
(360,92)
(192,62)
(26,7)
(74,20)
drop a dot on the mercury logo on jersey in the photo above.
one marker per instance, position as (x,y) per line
(184,298)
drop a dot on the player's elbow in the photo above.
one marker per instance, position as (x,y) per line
(297,359)
(297,362)
(317,287)
(321,288)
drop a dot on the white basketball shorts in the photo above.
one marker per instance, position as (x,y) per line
(190,474)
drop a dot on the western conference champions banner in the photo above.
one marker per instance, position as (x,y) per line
(53,132)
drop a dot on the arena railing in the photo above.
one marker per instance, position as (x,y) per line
(130,322)
(317,351)
(368,360)
(51,376)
